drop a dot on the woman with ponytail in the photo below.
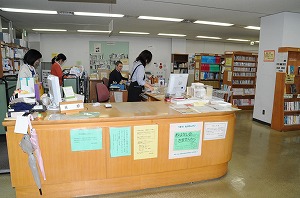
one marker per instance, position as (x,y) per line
(57,63)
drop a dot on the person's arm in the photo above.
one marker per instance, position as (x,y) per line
(147,85)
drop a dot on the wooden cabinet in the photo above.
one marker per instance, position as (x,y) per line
(207,69)
(286,106)
(240,76)
(179,63)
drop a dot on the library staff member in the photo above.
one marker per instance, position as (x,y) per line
(115,76)
(138,78)
(56,69)
(31,62)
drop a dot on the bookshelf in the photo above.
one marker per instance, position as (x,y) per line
(286,106)
(179,63)
(207,69)
(240,76)
(11,59)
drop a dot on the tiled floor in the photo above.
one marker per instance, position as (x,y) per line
(265,163)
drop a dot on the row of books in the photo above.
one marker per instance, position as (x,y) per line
(291,119)
(211,59)
(243,91)
(247,58)
(248,69)
(246,74)
(244,64)
(243,102)
(210,67)
(292,106)
(243,82)
(209,76)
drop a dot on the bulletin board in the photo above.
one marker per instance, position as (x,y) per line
(104,54)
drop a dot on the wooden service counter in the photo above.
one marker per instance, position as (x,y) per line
(82,173)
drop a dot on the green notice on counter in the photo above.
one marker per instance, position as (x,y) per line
(86,139)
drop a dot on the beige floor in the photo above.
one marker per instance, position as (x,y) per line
(265,163)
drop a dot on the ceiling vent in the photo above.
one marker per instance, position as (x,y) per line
(89,1)
(65,13)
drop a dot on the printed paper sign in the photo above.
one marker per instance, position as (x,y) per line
(120,141)
(86,139)
(215,130)
(185,140)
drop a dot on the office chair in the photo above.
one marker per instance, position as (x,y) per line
(105,81)
(102,92)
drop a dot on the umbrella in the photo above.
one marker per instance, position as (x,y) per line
(35,144)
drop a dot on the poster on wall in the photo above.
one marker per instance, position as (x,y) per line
(104,55)
(185,140)
(269,55)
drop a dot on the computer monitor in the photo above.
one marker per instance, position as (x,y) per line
(177,84)
(54,92)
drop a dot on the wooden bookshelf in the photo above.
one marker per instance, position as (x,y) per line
(208,70)
(286,106)
(179,63)
(240,75)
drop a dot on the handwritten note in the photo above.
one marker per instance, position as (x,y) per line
(86,139)
(145,141)
(185,139)
(215,130)
(120,141)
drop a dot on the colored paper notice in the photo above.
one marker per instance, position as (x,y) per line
(215,130)
(269,55)
(145,141)
(185,140)
(86,139)
(120,141)
(228,61)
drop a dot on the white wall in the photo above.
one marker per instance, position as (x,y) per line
(76,47)
(279,30)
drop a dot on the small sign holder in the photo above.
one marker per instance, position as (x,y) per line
(71,106)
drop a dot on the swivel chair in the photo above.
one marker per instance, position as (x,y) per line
(102,92)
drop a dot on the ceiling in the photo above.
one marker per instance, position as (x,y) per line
(239,12)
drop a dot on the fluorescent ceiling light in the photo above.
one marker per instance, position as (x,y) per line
(28,11)
(256,41)
(208,37)
(50,30)
(160,18)
(97,14)
(164,34)
(232,39)
(214,23)
(252,27)
(98,31)
(4,28)
(123,32)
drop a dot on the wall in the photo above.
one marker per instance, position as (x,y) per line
(279,30)
(76,47)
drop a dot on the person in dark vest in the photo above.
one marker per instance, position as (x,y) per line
(115,76)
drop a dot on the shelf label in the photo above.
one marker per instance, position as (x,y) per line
(288,96)
(289,79)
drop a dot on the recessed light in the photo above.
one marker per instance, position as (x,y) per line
(164,34)
(160,18)
(124,32)
(208,37)
(96,31)
(50,30)
(252,27)
(214,23)
(233,39)
(97,14)
(28,11)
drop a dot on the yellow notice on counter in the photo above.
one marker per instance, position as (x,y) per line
(145,141)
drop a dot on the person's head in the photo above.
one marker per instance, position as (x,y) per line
(145,57)
(32,57)
(60,58)
(119,66)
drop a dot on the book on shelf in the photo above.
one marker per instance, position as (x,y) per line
(291,70)
(293,89)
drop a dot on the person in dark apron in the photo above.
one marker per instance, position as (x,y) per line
(138,79)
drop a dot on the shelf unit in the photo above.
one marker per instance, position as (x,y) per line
(240,75)
(286,106)
(208,70)
(179,63)
(11,59)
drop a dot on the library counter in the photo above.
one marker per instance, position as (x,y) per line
(72,173)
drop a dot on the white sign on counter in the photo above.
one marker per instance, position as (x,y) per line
(215,130)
